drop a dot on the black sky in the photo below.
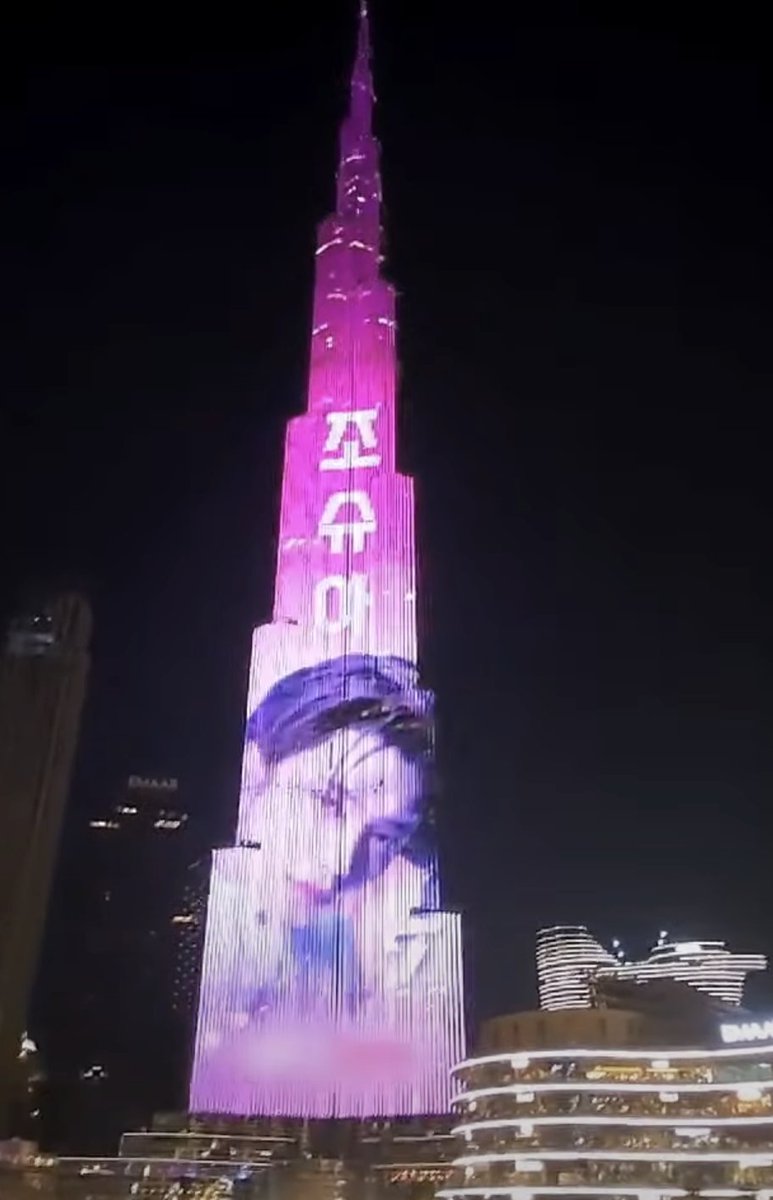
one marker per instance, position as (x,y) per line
(578,211)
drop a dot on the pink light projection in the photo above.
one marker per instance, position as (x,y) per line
(332,978)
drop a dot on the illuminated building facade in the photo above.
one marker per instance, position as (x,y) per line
(614,1122)
(331,981)
(43,671)
(570,961)
(567,958)
(708,966)
(246,1159)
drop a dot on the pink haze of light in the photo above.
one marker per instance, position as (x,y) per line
(326,992)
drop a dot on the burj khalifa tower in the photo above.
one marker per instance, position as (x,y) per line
(332,974)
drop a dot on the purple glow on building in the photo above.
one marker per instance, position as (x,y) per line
(332,982)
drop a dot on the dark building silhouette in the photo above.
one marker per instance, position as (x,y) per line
(43,672)
(674,1013)
(115,1041)
(188,925)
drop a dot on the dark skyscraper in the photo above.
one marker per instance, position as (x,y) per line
(43,674)
(117,1046)
(188,924)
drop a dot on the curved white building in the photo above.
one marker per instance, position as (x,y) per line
(569,959)
(568,956)
(708,966)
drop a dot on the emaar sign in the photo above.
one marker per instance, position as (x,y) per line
(747,1031)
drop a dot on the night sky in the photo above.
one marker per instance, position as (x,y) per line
(578,221)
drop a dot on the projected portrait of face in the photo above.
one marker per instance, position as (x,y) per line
(341,756)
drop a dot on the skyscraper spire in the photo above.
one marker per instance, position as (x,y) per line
(359,186)
(362,82)
(353,304)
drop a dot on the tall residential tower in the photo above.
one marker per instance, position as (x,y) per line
(43,672)
(116,1048)
(331,983)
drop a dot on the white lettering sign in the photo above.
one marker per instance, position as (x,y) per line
(340,602)
(747,1031)
(139,781)
(350,452)
(330,527)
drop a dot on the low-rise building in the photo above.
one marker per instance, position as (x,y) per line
(603,1120)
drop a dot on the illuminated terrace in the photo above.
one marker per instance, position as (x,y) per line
(614,1122)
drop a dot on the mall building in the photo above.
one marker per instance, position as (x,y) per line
(575,1107)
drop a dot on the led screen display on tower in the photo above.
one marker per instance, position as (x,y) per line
(331,982)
